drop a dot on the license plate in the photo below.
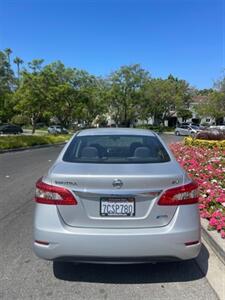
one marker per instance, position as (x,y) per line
(113,207)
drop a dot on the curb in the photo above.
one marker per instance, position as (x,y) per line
(214,240)
(212,269)
(31,148)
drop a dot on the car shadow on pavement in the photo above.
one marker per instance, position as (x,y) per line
(132,273)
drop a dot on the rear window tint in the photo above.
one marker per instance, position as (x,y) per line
(116,149)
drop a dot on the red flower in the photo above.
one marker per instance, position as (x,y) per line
(207,167)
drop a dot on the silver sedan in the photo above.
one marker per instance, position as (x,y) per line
(116,195)
(185,129)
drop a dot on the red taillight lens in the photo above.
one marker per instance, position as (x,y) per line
(50,194)
(42,242)
(185,194)
(191,243)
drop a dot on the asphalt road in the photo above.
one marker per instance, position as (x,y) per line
(24,276)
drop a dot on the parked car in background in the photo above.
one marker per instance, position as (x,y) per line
(218,127)
(187,129)
(10,129)
(57,129)
(116,195)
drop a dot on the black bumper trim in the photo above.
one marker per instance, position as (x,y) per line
(97,259)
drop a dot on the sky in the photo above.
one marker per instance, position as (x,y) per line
(183,37)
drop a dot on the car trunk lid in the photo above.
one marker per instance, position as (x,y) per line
(93,183)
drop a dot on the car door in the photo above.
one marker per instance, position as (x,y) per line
(185,130)
(13,129)
(7,129)
(181,130)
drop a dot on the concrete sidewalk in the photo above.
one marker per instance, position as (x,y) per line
(213,269)
(211,259)
(214,239)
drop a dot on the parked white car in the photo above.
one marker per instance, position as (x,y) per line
(220,127)
(57,129)
(187,129)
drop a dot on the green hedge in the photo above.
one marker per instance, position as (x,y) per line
(189,141)
(155,128)
(21,141)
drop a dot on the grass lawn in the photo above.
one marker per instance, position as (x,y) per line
(21,141)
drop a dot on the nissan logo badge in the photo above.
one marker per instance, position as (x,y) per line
(117,183)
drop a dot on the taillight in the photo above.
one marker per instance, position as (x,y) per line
(50,194)
(185,194)
(191,243)
(42,242)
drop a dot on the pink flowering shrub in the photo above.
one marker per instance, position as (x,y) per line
(207,167)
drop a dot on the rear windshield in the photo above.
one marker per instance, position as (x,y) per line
(116,149)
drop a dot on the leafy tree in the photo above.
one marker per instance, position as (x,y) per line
(163,97)
(93,104)
(6,74)
(36,65)
(8,52)
(31,96)
(7,82)
(214,106)
(219,85)
(184,113)
(204,92)
(62,99)
(20,120)
(58,72)
(18,61)
(124,92)
(73,94)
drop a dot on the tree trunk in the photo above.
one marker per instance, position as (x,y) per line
(125,113)
(33,123)
(18,71)
(8,56)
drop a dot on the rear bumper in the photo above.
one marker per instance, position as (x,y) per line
(115,245)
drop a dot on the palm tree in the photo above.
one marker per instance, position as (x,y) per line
(8,52)
(18,61)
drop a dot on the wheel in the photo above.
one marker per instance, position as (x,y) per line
(177,133)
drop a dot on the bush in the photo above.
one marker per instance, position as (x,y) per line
(23,141)
(20,120)
(206,167)
(155,128)
(215,135)
(189,141)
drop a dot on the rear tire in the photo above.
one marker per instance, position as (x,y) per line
(177,133)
